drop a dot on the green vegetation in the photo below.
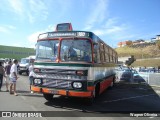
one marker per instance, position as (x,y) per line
(147,63)
(158,44)
(152,51)
(15,52)
(139,53)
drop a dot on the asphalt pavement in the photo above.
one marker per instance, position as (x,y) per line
(116,103)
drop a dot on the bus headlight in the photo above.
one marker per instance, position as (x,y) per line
(37,81)
(77,84)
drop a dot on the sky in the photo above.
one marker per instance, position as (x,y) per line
(21,21)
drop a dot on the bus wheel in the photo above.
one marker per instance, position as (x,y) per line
(111,85)
(20,73)
(48,97)
(90,101)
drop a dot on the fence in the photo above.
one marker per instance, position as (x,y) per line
(149,78)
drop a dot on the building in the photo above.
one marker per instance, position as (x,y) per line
(125,43)
(158,37)
(139,42)
(136,42)
(155,39)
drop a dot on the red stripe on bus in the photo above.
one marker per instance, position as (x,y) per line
(105,84)
(90,88)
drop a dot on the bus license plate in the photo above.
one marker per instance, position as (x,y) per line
(53,91)
(22,68)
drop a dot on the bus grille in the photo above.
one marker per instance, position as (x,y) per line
(63,84)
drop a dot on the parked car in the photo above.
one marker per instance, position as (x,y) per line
(24,65)
(152,69)
(135,74)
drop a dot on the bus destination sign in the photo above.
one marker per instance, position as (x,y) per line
(63,34)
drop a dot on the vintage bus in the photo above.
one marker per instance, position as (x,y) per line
(73,63)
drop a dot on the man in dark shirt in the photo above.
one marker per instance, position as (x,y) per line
(2,74)
(7,71)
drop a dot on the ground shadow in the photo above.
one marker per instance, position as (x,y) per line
(124,97)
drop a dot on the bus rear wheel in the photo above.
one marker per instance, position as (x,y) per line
(112,83)
(48,97)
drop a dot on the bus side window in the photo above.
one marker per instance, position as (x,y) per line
(102,52)
(95,54)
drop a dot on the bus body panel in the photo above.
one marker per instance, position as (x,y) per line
(102,75)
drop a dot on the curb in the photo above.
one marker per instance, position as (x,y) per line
(155,86)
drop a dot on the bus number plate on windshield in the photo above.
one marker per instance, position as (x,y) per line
(53,91)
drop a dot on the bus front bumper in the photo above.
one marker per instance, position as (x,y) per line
(62,92)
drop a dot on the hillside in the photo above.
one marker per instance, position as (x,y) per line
(15,52)
(147,63)
(141,53)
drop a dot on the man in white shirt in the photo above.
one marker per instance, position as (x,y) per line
(31,73)
(13,77)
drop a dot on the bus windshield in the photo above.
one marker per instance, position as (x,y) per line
(76,50)
(47,50)
(71,50)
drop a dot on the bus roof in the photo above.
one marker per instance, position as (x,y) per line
(76,34)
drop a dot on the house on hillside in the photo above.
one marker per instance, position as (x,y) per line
(158,37)
(124,43)
(136,42)
(139,43)
(155,39)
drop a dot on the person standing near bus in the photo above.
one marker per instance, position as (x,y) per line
(13,77)
(2,73)
(7,70)
(31,74)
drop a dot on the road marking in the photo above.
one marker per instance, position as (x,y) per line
(124,89)
(129,98)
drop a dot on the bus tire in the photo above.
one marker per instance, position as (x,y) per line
(48,97)
(20,73)
(89,101)
(97,89)
(112,83)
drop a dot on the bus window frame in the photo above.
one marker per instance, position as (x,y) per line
(107,54)
(101,51)
(75,38)
(71,38)
(47,39)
